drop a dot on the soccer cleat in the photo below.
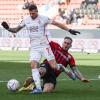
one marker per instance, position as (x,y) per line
(36,91)
(28,88)
(28,81)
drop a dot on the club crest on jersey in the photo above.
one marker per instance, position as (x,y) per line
(34,28)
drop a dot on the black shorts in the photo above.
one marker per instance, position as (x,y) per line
(50,76)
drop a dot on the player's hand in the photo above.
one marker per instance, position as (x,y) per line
(73,32)
(85,80)
(5,25)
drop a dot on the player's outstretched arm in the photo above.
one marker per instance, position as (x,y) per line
(79,75)
(13,30)
(67,72)
(64,27)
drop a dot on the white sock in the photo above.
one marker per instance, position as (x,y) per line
(36,78)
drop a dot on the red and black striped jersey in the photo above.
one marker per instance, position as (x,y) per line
(62,57)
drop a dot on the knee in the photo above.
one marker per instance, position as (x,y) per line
(48,90)
(34,64)
(48,87)
(53,64)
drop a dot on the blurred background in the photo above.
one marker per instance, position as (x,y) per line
(82,15)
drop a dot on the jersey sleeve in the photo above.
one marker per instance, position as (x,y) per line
(71,61)
(50,21)
(47,20)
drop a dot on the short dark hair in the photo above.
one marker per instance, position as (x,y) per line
(32,7)
(68,38)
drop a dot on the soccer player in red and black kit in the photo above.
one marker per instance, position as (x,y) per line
(63,58)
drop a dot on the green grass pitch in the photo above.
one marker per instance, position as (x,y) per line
(14,64)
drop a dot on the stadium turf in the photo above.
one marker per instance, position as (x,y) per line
(14,64)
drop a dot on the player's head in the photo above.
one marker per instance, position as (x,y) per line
(33,11)
(67,43)
(27,4)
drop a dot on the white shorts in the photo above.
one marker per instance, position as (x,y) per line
(45,52)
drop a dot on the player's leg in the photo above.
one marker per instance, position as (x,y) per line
(50,57)
(48,87)
(29,82)
(34,59)
(49,79)
(42,71)
(53,63)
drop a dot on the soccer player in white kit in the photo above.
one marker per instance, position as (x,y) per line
(36,25)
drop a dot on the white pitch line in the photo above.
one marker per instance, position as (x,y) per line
(59,80)
(71,79)
(3,81)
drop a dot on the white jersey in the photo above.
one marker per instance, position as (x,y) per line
(37,30)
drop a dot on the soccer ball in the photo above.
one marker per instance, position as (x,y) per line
(13,84)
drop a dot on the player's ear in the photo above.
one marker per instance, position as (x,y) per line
(36,10)
(70,45)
